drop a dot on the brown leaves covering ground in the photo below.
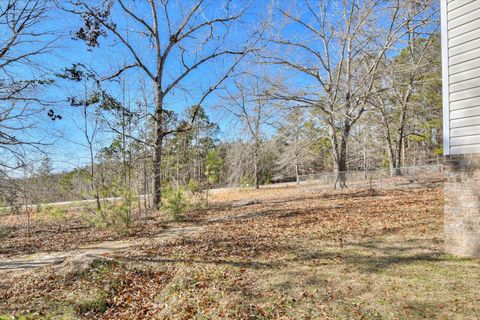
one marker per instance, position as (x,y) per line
(66,234)
(293,255)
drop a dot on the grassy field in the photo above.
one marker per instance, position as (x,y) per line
(287,255)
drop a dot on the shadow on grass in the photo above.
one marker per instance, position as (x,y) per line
(13,265)
(240,264)
(377,256)
(279,212)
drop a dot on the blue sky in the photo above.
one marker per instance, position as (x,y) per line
(68,150)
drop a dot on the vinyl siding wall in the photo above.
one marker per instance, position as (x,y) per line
(462,59)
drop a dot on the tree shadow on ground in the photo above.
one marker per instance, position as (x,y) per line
(376,256)
(257,265)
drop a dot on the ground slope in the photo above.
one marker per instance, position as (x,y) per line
(287,255)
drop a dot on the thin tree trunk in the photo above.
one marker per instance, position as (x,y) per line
(145,191)
(93,184)
(255,169)
(393,153)
(26,204)
(398,152)
(365,167)
(157,173)
(157,161)
(297,173)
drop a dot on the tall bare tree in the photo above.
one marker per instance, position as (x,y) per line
(248,101)
(168,41)
(86,103)
(402,76)
(293,144)
(335,48)
(23,39)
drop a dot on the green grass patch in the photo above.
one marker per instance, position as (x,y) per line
(96,302)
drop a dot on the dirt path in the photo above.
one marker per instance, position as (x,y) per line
(26,262)
(41,259)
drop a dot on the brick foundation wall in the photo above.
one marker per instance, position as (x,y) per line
(462,205)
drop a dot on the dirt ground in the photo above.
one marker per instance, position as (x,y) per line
(284,253)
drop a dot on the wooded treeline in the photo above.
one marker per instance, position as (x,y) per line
(315,86)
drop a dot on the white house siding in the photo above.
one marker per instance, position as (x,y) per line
(461,58)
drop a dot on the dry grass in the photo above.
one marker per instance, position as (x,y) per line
(292,255)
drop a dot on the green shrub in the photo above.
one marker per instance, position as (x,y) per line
(51,212)
(117,216)
(110,216)
(175,202)
(194,186)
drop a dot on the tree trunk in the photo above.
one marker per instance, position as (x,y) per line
(157,161)
(93,183)
(340,156)
(255,170)
(145,191)
(398,152)
(391,157)
(157,173)
(341,167)
(297,173)
(398,160)
(394,153)
(365,160)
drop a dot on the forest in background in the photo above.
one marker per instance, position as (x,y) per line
(303,91)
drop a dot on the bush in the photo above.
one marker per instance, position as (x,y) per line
(175,202)
(194,186)
(116,216)
(51,212)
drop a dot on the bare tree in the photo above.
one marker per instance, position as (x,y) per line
(337,51)
(172,44)
(402,77)
(249,102)
(87,103)
(22,41)
(90,128)
(293,143)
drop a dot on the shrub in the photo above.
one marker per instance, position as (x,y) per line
(194,186)
(51,212)
(175,202)
(110,216)
(117,216)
